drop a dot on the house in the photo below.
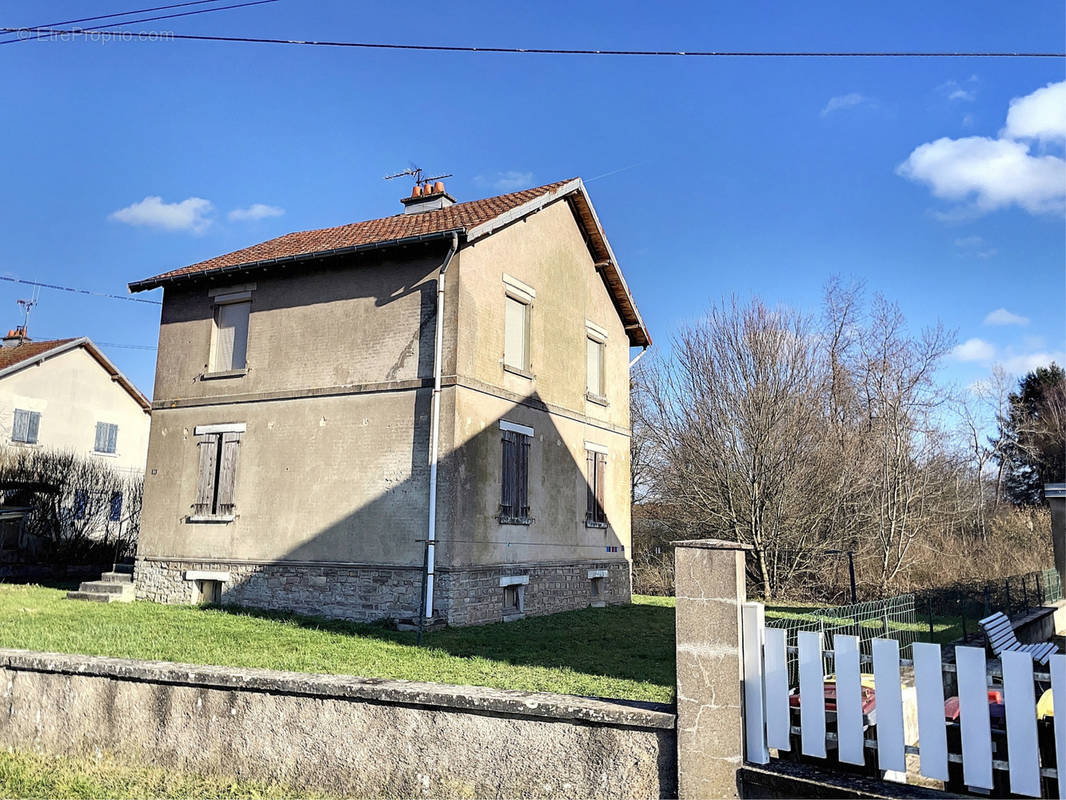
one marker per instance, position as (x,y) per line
(64,394)
(324,441)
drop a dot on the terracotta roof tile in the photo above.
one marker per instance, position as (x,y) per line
(9,356)
(386,229)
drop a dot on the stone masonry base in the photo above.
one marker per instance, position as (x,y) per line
(467,596)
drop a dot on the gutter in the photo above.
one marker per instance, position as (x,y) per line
(163,280)
(434,437)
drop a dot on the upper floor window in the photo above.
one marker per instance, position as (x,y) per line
(514,477)
(595,362)
(106,438)
(518,304)
(217,475)
(231,331)
(26,426)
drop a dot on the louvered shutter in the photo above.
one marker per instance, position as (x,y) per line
(522,472)
(601,472)
(112,438)
(34,426)
(205,483)
(507,476)
(101,437)
(227,473)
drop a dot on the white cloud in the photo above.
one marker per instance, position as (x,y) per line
(974,350)
(974,246)
(1027,362)
(191,214)
(990,174)
(509,181)
(954,90)
(1040,115)
(844,101)
(255,211)
(1003,317)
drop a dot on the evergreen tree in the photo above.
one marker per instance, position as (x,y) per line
(1032,436)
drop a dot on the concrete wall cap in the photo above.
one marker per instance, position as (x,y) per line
(711,544)
(465,699)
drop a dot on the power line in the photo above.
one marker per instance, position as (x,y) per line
(148,35)
(108,26)
(57,287)
(119,14)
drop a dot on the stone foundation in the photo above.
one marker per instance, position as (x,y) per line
(471,596)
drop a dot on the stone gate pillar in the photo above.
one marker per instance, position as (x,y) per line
(709,584)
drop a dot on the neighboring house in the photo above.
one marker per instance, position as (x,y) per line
(65,394)
(300,456)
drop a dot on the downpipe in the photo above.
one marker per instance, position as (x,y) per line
(429,560)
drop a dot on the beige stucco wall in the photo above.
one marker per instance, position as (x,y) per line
(333,465)
(73,392)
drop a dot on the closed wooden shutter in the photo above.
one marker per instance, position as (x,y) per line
(21,428)
(34,426)
(205,482)
(101,438)
(112,438)
(590,486)
(522,473)
(601,471)
(227,473)
(507,476)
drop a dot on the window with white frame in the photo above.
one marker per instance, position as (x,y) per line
(26,426)
(230,347)
(106,438)
(518,304)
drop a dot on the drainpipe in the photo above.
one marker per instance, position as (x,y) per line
(434,436)
(638,356)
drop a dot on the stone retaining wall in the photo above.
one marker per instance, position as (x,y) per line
(471,596)
(338,734)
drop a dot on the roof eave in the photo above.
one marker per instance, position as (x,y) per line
(165,279)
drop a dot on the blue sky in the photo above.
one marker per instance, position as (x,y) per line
(747,176)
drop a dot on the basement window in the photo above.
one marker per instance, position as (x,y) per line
(209,592)
(597,587)
(514,596)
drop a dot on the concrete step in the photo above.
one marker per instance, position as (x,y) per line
(117,577)
(100,597)
(106,587)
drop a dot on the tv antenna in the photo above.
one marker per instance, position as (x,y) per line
(416,173)
(27,305)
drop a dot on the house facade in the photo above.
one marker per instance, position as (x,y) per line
(324,441)
(64,394)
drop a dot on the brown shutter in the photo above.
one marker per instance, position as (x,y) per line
(227,473)
(522,489)
(507,476)
(205,482)
(590,486)
(601,471)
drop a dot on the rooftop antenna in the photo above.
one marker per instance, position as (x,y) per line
(416,173)
(27,305)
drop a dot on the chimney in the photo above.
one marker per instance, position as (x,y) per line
(15,337)
(427,197)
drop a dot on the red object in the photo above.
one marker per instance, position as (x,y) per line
(951,705)
(869,701)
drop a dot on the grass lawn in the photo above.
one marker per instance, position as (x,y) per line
(622,652)
(29,775)
(945,629)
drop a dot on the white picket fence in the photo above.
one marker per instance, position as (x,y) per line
(768,722)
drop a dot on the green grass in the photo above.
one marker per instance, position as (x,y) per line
(945,629)
(624,652)
(30,775)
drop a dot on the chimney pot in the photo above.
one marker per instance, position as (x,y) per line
(417,191)
(438,187)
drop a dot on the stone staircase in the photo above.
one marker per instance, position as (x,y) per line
(113,587)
